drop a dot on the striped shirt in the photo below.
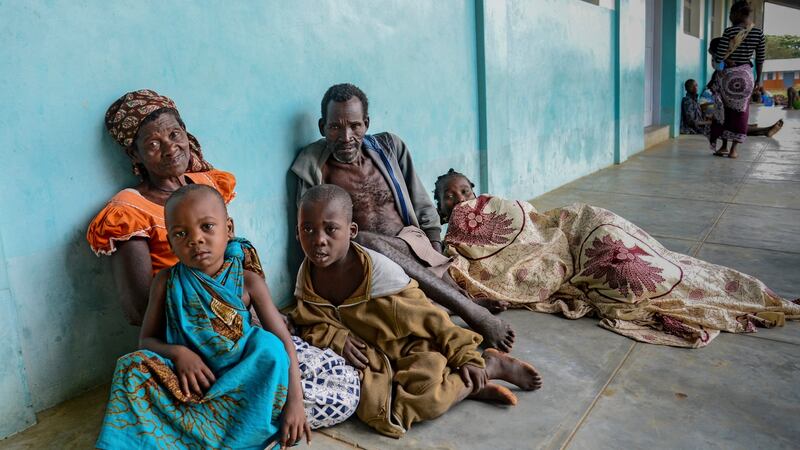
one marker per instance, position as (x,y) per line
(754,42)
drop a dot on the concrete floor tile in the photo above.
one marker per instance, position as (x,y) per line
(73,424)
(575,357)
(555,199)
(677,185)
(780,157)
(737,393)
(747,152)
(759,227)
(768,171)
(780,271)
(779,194)
(789,333)
(678,245)
(667,217)
(704,165)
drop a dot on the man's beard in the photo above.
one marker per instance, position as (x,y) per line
(346,160)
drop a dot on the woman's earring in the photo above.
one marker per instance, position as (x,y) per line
(136,170)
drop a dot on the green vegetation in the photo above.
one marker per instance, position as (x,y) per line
(783,47)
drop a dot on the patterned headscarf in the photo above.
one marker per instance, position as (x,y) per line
(124,117)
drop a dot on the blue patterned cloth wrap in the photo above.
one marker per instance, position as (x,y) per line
(242,409)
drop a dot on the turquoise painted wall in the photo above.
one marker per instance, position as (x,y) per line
(248,78)
(549,93)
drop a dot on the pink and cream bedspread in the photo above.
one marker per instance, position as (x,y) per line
(581,260)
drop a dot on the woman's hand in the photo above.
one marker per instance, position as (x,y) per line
(474,377)
(193,374)
(294,424)
(353,352)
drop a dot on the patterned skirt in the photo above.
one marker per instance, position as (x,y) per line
(736,88)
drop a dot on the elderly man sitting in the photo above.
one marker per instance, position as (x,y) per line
(393,211)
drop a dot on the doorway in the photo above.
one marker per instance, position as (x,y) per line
(652,62)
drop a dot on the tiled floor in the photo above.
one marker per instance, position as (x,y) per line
(601,389)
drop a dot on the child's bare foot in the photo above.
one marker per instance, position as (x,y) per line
(500,366)
(494,306)
(494,393)
(733,154)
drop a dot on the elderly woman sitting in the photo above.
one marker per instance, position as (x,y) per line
(131,229)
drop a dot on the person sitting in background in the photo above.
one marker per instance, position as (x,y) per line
(692,119)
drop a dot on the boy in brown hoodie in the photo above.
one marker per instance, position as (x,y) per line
(363,306)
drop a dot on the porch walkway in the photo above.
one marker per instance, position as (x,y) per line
(603,390)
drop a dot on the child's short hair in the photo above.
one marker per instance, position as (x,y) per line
(183,191)
(688,83)
(325,193)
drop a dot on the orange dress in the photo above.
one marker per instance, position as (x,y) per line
(128,214)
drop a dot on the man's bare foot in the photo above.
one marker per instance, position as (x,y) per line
(775,128)
(494,393)
(500,366)
(496,333)
(494,306)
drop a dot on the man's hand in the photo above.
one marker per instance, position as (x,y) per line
(474,377)
(353,352)
(294,424)
(193,374)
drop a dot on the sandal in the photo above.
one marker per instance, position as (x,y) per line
(721,153)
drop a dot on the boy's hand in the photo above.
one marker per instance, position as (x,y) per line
(193,374)
(353,352)
(294,424)
(474,377)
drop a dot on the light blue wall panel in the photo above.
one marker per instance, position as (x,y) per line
(631,17)
(248,77)
(550,93)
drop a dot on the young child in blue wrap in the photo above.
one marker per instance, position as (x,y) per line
(204,377)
